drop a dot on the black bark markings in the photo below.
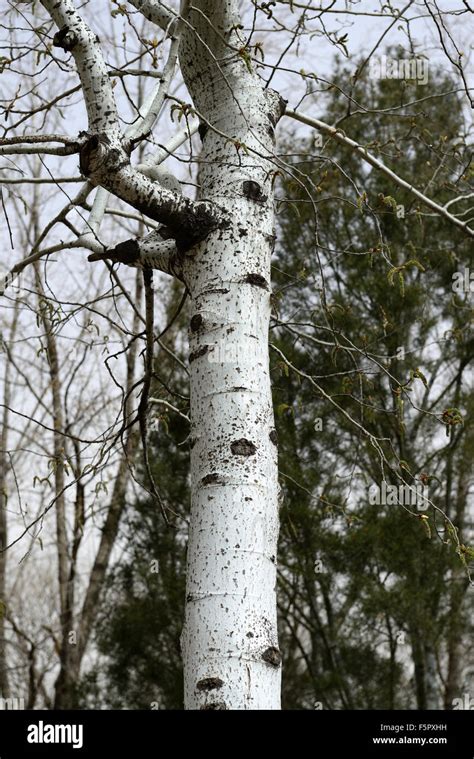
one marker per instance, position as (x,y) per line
(198,353)
(274,437)
(253,191)
(209,683)
(211,479)
(66,39)
(189,222)
(97,155)
(221,705)
(258,280)
(243,447)
(275,117)
(196,322)
(126,252)
(217,291)
(202,129)
(272,240)
(272,656)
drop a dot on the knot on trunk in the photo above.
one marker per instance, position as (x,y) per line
(253,191)
(277,106)
(198,353)
(209,683)
(66,39)
(243,447)
(192,226)
(127,252)
(196,323)
(258,280)
(97,155)
(272,656)
(211,479)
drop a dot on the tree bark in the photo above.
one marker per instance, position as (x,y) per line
(229,641)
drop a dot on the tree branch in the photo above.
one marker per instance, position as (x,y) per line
(189,221)
(105,155)
(339,135)
(75,37)
(156,12)
(152,252)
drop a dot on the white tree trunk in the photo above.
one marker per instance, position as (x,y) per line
(230,647)
(223,246)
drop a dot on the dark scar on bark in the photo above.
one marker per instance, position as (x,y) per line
(257,280)
(187,222)
(253,191)
(188,225)
(65,39)
(126,252)
(209,683)
(274,437)
(221,705)
(272,656)
(218,291)
(272,240)
(196,322)
(165,233)
(282,102)
(243,447)
(275,117)
(91,145)
(202,130)
(197,354)
(211,479)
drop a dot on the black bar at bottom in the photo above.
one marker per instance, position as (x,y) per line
(153,733)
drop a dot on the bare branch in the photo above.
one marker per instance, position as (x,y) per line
(74,36)
(152,252)
(156,12)
(339,135)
